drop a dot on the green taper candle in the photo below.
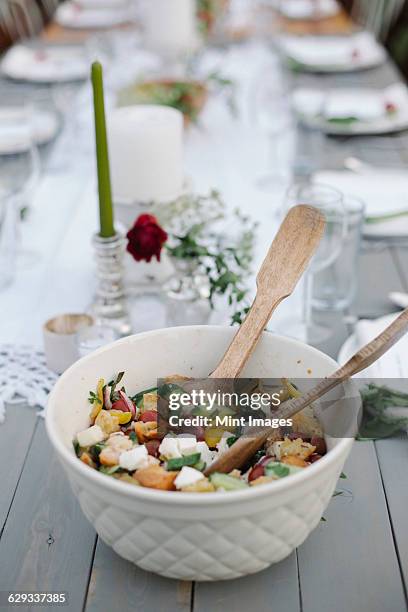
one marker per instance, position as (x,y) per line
(104,186)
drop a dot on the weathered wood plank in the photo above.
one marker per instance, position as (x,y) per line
(15,436)
(378,276)
(118,584)
(47,544)
(393,460)
(349,562)
(276,588)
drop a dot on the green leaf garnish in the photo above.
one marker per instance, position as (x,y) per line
(180,462)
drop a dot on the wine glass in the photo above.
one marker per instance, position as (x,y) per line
(8,236)
(330,202)
(273,116)
(19,175)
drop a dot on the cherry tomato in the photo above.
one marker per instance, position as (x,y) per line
(264,460)
(153,447)
(120,404)
(320,445)
(256,472)
(149,415)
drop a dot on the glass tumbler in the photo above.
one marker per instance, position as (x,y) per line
(8,237)
(330,202)
(335,287)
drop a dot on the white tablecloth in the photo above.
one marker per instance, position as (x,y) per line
(222,152)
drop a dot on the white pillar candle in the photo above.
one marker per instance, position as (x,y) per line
(146,153)
(170,26)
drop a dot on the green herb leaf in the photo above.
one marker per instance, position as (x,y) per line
(278,469)
(109,470)
(179,462)
(232,440)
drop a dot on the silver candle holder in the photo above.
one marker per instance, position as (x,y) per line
(109,305)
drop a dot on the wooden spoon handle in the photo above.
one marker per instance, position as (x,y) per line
(247,335)
(246,446)
(285,262)
(361,360)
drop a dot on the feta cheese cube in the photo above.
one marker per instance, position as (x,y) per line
(91,436)
(207,455)
(276,449)
(134,459)
(222,445)
(187,476)
(169,448)
(187,444)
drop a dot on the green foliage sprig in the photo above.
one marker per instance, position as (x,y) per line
(225,261)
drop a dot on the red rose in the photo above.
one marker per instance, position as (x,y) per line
(146,238)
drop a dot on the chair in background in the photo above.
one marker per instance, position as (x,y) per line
(28,19)
(397,40)
(8,33)
(377,16)
(48,8)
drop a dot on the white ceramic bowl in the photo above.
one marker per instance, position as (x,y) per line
(193,536)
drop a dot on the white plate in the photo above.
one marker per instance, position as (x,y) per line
(70,15)
(44,126)
(351,345)
(369,107)
(50,64)
(384,192)
(308,9)
(328,54)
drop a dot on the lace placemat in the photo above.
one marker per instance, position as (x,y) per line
(24,377)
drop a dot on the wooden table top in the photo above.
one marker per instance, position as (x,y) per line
(355,561)
(338,24)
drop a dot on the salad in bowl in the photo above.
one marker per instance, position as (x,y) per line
(237,526)
(123,440)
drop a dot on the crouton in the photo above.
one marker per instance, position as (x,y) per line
(107,422)
(156,477)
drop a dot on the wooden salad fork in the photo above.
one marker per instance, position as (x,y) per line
(245,447)
(289,254)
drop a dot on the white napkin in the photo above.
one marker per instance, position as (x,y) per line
(384,191)
(306,9)
(362,104)
(394,364)
(331,50)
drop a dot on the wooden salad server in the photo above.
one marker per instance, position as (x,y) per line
(245,447)
(291,250)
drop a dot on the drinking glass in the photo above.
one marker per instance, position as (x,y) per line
(330,202)
(273,117)
(19,174)
(335,286)
(308,151)
(89,339)
(8,237)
